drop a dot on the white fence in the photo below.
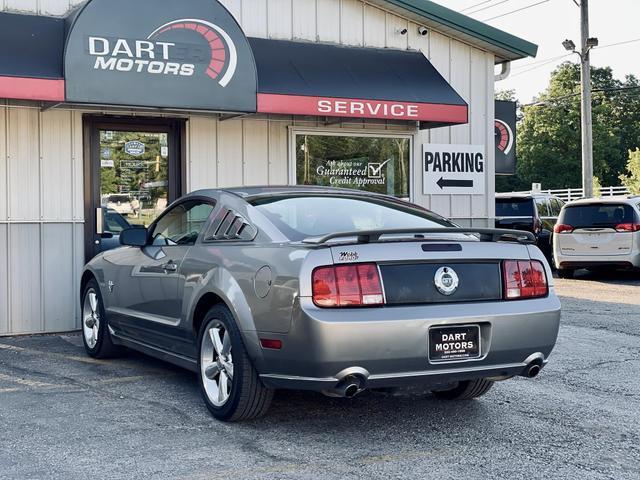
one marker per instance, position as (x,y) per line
(569,194)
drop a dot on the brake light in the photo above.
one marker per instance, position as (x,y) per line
(562,228)
(524,279)
(354,285)
(628,227)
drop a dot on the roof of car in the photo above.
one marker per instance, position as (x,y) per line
(523,195)
(249,192)
(630,199)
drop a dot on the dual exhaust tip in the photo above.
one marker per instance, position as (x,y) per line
(348,387)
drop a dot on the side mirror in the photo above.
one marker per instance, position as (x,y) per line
(134,237)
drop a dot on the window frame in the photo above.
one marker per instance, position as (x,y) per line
(350,132)
(206,200)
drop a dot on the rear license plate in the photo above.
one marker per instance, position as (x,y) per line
(454,343)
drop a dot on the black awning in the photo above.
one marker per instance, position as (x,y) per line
(31,52)
(329,80)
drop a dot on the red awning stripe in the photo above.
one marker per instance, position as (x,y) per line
(32,89)
(361,108)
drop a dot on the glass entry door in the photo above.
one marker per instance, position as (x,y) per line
(135,174)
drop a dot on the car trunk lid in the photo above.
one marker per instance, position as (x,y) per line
(408,269)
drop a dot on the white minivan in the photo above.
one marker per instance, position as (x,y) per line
(597,232)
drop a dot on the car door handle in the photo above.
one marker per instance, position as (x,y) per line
(170,267)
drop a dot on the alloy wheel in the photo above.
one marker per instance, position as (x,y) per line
(216,363)
(91,317)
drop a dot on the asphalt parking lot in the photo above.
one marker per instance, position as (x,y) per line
(64,415)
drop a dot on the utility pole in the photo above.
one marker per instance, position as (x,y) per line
(585,80)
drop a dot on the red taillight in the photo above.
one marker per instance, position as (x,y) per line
(524,279)
(355,285)
(628,227)
(562,228)
(271,343)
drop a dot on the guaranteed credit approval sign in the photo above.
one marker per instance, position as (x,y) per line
(453,169)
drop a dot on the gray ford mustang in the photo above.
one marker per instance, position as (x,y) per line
(262,288)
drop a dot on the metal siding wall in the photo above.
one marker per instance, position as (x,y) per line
(44,252)
(41,215)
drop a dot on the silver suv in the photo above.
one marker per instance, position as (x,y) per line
(597,233)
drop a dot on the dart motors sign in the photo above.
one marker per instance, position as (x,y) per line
(453,169)
(159,53)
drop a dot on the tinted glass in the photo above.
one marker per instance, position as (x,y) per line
(556,206)
(514,207)
(114,222)
(303,217)
(182,224)
(543,207)
(597,215)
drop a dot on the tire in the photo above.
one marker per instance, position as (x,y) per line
(95,332)
(243,397)
(466,390)
(565,273)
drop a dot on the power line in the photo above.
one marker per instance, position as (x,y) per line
(488,7)
(541,60)
(544,103)
(540,65)
(618,43)
(475,5)
(515,11)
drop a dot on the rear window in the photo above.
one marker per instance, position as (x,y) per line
(597,215)
(514,207)
(310,216)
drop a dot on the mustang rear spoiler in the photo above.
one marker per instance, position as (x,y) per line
(485,234)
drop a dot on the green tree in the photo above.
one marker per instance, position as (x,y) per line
(549,143)
(632,179)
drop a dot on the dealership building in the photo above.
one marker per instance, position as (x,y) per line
(111,109)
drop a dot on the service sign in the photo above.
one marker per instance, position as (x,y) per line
(159,53)
(453,169)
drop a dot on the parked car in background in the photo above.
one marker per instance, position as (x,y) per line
(536,213)
(119,202)
(598,233)
(262,288)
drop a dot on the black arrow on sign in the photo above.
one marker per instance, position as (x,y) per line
(454,183)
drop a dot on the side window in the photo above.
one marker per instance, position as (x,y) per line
(543,207)
(556,206)
(228,225)
(182,224)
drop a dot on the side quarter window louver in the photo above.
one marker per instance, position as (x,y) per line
(228,225)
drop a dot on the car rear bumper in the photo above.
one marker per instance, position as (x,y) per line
(389,346)
(591,261)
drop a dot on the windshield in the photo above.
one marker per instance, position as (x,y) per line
(597,215)
(311,216)
(514,207)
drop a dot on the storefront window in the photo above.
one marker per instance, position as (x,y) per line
(375,164)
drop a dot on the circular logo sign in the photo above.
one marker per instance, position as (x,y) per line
(446,280)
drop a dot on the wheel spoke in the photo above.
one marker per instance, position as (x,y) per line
(211,370)
(214,333)
(226,344)
(93,302)
(223,391)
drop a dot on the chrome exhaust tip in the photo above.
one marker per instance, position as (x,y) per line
(533,371)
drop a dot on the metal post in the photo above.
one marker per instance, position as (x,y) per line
(585,80)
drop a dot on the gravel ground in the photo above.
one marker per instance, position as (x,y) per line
(64,415)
